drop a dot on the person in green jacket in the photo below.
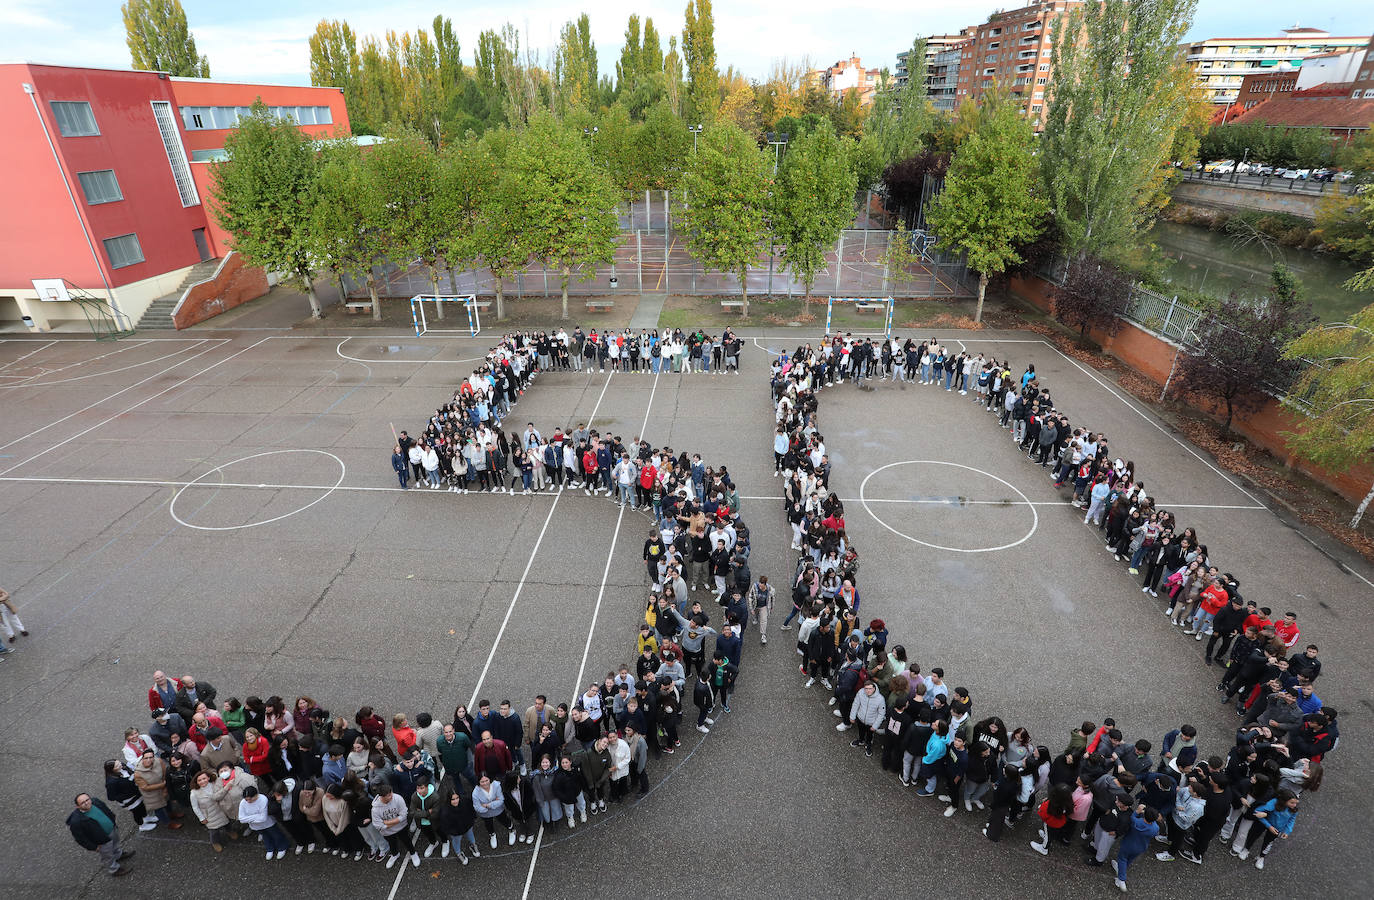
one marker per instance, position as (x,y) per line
(455,752)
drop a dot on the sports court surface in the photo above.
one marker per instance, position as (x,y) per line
(221,504)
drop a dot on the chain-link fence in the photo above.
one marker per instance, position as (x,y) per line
(652,256)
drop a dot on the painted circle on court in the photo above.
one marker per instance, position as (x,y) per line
(1035,516)
(172,507)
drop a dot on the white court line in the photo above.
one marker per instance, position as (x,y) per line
(136,405)
(24,357)
(31,383)
(960,501)
(491,654)
(418,362)
(222,342)
(1162,430)
(587,647)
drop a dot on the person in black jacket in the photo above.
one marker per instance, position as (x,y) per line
(456,817)
(1003,795)
(93,827)
(1225,626)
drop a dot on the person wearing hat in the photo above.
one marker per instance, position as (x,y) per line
(165,725)
(93,827)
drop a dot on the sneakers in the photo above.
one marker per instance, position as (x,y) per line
(493,839)
(949,811)
(415,859)
(968,807)
(583,812)
(809,682)
(1192,857)
(1133,570)
(281,854)
(462,858)
(836,713)
(842,727)
(979,804)
(147,826)
(1243,855)
(856,742)
(763,639)
(444,850)
(726,708)
(429,851)
(392,860)
(785,627)
(828,685)
(831,702)
(1164,856)
(1259,862)
(709,721)
(510,839)
(703,729)
(1121,884)
(1042,849)
(269,855)
(944,798)
(924,793)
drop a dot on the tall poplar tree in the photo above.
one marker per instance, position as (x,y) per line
(699,53)
(159,39)
(1115,102)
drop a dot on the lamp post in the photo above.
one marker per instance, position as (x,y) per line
(696,130)
(778,140)
(1235,173)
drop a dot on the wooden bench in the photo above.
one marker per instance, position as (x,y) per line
(870,307)
(600,305)
(727,304)
(357,306)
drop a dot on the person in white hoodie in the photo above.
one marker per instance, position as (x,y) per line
(620,765)
(430,460)
(390,816)
(253,813)
(867,712)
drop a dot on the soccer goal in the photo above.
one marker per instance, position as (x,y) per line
(883,306)
(422,319)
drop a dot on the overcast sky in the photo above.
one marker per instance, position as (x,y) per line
(265,40)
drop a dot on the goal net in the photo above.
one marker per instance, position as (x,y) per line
(433,320)
(881,307)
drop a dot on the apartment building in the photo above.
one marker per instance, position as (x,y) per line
(1012,49)
(1221,64)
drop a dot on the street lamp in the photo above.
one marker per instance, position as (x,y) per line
(1235,173)
(696,130)
(779,140)
(591,131)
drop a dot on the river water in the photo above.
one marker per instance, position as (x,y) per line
(1209,261)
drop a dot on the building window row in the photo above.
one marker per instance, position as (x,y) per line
(100,186)
(176,153)
(123,250)
(203,118)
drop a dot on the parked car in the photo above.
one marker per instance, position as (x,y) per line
(1297,174)
(1343,177)
(1265,170)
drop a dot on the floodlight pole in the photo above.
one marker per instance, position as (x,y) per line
(778,140)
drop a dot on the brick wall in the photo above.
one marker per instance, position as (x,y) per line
(1152,357)
(236,283)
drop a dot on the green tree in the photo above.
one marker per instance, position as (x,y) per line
(159,39)
(265,191)
(1335,391)
(672,76)
(662,147)
(900,119)
(627,69)
(1346,223)
(699,53)
(1119,93)
(813,201)
(991,201)
(403,174)
(346,222)
(1357,157)
(567,214)
(497,204)
(725,214)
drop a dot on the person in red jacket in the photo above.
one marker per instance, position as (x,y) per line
(1213,598)
(1259,619)
(163,693)
(370,724)
(591,484)
(404,734)
(255,750)
(492,757)
(1287,629)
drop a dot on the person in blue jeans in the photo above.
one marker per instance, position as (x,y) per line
(253,813)
(398,462)
(1144,825)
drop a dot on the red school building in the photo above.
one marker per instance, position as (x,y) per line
(107,181)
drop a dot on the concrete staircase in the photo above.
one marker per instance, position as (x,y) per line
(158,315)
